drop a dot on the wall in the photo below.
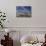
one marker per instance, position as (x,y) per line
(36,23)
(38,13)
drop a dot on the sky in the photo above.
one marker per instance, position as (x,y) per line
(23,9)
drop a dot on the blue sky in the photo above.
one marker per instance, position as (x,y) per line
(23,9)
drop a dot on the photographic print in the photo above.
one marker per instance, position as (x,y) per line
(23,11)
